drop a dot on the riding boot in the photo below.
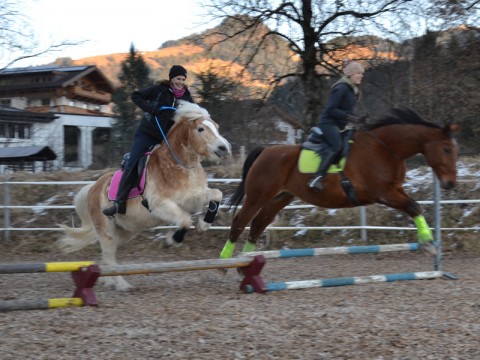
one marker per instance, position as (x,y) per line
(316,182)
(120,204)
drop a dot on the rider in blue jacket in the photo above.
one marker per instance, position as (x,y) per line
(334,118)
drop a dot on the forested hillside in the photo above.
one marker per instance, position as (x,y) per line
(436,74)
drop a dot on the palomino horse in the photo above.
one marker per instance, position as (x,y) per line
(176,186)
(375,166)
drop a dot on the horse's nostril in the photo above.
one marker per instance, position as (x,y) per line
(447,185)
(222,148)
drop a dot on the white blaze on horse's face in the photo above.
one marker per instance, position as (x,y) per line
(222,147)
(216,145)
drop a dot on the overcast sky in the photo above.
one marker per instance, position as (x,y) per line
(110,26)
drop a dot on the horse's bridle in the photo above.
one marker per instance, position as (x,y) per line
(179,162)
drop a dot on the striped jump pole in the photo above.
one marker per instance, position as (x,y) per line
(174,266)
(40,304)
(367,249)
(43,267)
(305,284)
(86,273)
(251,269)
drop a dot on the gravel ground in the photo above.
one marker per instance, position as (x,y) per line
(202,315)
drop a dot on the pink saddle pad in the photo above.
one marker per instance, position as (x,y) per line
(115,182)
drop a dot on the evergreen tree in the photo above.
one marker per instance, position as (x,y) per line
(214,88)
(134,75)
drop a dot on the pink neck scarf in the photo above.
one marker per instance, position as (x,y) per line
(178,93)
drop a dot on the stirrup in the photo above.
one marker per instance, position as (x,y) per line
(316,183)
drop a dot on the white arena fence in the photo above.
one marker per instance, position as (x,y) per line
(362,227)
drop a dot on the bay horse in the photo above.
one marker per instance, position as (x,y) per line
(176,187)
(375,166)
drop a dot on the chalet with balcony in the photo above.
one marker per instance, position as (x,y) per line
(67,109)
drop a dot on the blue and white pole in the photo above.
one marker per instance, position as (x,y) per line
(356,280)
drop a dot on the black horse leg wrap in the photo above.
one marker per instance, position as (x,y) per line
(211,212)
(179,235)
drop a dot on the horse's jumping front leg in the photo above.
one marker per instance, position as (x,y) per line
(170,212)
(214,197)
(406,204)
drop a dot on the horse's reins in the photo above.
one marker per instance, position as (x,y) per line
(179,162)
(372,134)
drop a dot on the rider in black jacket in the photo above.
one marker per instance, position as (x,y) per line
(158,102)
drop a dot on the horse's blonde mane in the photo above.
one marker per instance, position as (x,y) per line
(190,111)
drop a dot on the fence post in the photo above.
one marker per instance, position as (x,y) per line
(363,223)
(6,210)
(438,221)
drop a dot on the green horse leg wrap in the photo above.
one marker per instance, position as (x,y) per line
(424,232)
(227,251)
(249,247)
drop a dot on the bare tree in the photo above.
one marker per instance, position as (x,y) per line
(450,13)
(320,34)
(18,40)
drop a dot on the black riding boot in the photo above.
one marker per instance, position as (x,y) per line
(120,204)
(316,182)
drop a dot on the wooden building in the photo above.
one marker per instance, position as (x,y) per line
(63,108)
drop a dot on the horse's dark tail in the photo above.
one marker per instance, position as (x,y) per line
(239,194)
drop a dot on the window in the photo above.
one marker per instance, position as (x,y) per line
(11,131)
(71,136)
(6,102)
(45,102)
(15,131)
(34,102)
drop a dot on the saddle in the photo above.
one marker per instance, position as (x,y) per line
(311,157)
(312,150)
(139,180)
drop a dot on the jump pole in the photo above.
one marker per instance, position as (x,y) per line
(86,273)
(306,284)
(368,249)
(41,304)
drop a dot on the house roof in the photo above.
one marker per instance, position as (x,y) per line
(28,153)
(52,77)
(8,114)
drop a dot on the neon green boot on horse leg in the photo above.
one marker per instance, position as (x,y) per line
(425,237)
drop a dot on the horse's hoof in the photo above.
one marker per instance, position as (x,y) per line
(428,248)
(172,244)
(202,226)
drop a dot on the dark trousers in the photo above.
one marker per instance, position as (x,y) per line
(140,144)
(332,138)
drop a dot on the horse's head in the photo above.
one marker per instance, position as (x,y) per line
(441,155)
(204,137)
